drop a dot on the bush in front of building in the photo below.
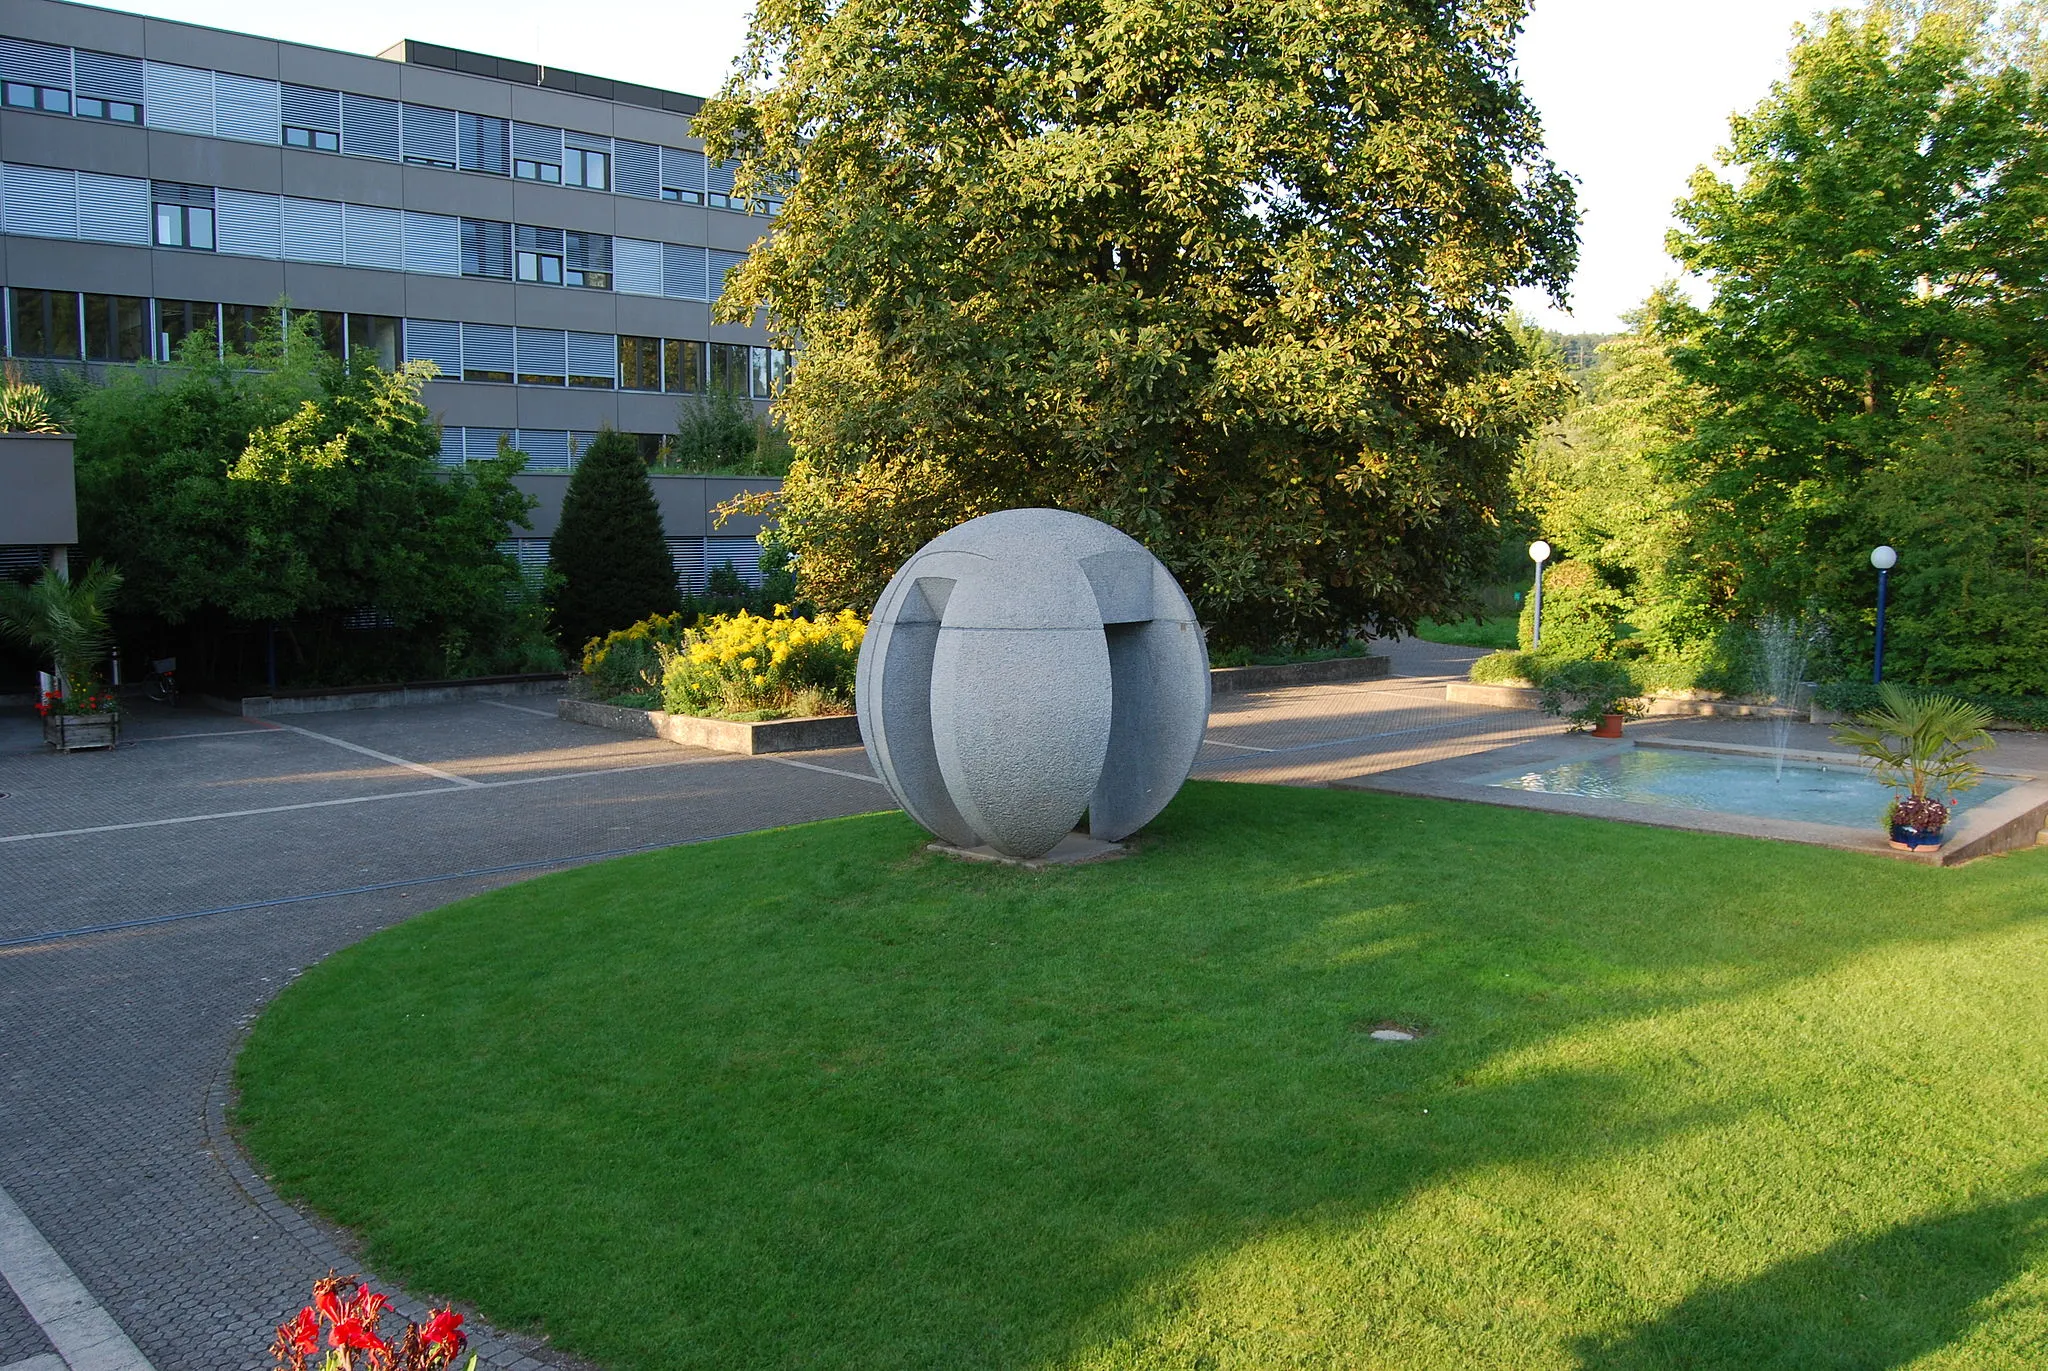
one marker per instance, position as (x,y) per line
(609,555)
(750,666)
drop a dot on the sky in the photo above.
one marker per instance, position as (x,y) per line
(1635,94)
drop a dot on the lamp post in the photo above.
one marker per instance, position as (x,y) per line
(1884,557)
(1539,553)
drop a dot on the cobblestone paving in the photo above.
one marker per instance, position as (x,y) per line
(115,1047)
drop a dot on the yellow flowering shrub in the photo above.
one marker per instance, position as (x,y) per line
(628,661)
(744,664)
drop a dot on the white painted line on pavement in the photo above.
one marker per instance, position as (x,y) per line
(1241,747)
(172,738)
(353,800)
(494,704)
(420,767)
(828,770)
(85,1335)
(41,1361)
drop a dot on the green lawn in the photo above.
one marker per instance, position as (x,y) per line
(813,1098)
(1497,631)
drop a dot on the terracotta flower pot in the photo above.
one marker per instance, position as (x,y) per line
(1610,726)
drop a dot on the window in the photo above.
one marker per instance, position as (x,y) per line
(593,360)
(718,185)
(537,153)
(487,354)
(245,327)
(486,248)
(118,111)
(22,95)
(538,255)
(638,171)
(116,328)
(184,215)
(177,320)
(528,170)
(587,169)
(431,138)
(485,144)
(376,332)
(639,363)
(543,357)
(589,265)
(682,176)
(761,387)
(729,366)
(369,126)
(45,322)
(682,367)
(333,335)
(312,118)
(318,140)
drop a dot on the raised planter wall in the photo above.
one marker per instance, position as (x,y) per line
(385,696)
(719,735)
(1659,707)
(1241,680)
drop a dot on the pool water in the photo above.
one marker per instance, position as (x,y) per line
(1844,795)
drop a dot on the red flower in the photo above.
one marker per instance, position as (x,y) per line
(352,1333)
(297,1339)
(370,1306)
(444,1327)
(327,1301)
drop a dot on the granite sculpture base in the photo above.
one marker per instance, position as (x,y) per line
(1072,850)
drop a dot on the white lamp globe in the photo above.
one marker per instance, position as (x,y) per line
(1884,557)
(1539,551)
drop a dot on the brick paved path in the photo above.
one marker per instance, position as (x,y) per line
(114,1047)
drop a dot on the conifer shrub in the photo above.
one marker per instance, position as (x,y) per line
(609,552)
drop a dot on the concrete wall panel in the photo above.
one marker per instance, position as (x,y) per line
(452,90)
(734,232)
(78,27)
(338,71)
(214,162)
(192,46)
(469,194)
(665,221)
(205,276)
(42,501)
(46,141)
(102,268)
(563,207)
(473,406)
(652,126)
(314,286)
(648,317)
(532,105)
(451,297)
(591,311)
(330,176)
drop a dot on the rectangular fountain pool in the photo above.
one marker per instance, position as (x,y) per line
(1711,782)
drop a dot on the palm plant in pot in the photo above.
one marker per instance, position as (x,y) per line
(66,621)
(1926,746)
(1591,693)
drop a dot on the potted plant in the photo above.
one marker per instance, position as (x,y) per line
(67,621)
(1591,693)
(1921,743)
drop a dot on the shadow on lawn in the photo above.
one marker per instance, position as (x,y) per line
(1866,1304)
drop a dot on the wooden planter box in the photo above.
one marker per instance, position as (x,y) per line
(80,732)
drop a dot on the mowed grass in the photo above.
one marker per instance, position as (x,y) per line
(1495,631)
(814,1098)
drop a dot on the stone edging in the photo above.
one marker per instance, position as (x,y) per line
(1660,707)
(386,696)
(719,735)
(1241,680)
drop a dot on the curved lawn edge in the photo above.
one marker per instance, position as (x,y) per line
(815,1097)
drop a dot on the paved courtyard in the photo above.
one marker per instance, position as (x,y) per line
(153,898)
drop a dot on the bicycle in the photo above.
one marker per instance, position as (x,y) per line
(163,680)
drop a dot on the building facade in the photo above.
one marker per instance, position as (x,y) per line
(551,241)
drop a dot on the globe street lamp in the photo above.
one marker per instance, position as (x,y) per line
(1884,557)
(1539,553)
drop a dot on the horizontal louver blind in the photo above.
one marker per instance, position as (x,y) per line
(534,143)
(723,263)
(38,63)
(451,456)
(308,108)
(718,177)
(481,444)
(178,98)
(246,108)
(109,76)
(530,553)
(113,209)
(181,193)
(636,266)
(430,135)
(249,224)
(548,448)
(312,231)
(484,144)
(637,169)
(590,251)
(743,553)
(376,237)
(40,201)
(589,142)
(541,352)
(369,126)
(594,354)
(486,347)
(435,340)
(682,272)
(682,170)
(433,244)
(486,248)
(686,555)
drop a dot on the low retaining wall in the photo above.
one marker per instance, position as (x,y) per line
(1528,697)
(385,696)
(1241,680)
(719,735)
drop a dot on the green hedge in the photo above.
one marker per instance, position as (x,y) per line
(2019,711)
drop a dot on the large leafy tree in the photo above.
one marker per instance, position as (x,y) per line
(1886,218)
(1231,276)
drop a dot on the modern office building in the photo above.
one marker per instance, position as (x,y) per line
(551,241)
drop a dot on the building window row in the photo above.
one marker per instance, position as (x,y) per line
(63,325)
(51,202)
(106,86)
(694,559)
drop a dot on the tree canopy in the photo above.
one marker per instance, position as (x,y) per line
(1231,276)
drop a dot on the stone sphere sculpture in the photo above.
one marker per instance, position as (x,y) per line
(1026,666)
